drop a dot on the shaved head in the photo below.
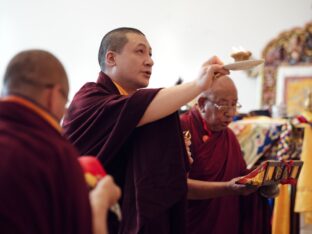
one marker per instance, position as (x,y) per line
(29,72)
(114,40)
(222,86)
(40,77)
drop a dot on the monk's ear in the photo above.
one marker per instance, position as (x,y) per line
(54,95)
(201,103)
(46,98)
(52,98)
(110,58)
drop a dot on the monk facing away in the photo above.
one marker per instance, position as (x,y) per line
(135,132)
(217,157)
(42,188)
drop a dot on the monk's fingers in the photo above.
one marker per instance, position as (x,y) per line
(107,189)
(208,73)
(215,71)
(213,60)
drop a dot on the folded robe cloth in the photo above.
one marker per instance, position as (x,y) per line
(303,203)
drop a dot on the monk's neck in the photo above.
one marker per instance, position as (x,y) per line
(123,88)
(122,85)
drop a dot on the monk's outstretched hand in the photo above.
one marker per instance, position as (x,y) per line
(210,70)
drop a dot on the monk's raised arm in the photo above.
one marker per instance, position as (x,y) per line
(169,100)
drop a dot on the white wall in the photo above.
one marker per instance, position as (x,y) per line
(183,33)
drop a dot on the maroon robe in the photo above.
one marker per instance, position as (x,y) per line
(147,162)
(219,158)
(42,189)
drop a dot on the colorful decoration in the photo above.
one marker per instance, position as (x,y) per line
(273,172)
(291,47)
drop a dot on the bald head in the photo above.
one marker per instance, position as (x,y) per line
(39,76)
(30,72)
(223,86)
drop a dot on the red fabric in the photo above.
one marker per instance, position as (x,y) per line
(217,159)
(91,165)
(42,189)
(148,162)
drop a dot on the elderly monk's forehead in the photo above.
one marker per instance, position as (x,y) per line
(223,87)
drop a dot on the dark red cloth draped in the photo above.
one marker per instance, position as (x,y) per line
(217,159)
(148,162)
(42,189)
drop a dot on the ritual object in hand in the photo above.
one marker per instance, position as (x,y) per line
(93,172)
(243,60)
(273,172)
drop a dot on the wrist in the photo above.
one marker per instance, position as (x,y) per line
(99,221)
(99,206)
(228,188)
(198,86)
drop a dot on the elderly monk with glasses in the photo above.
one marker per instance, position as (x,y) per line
(217,163)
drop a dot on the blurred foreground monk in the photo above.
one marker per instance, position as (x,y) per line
(42,188)
(218,158)
(135,132)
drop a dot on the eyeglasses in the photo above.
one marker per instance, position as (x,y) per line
(225,108)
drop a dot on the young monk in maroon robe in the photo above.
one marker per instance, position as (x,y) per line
(218,158)
(42,189)
(136,132)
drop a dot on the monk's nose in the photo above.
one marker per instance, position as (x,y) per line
(231,112)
